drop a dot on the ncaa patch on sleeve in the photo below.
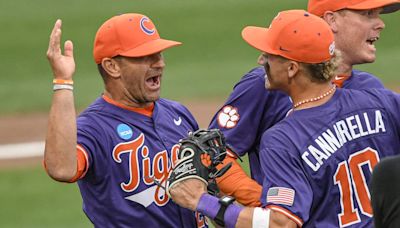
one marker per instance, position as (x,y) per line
(281,195)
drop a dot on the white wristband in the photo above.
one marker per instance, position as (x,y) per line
(62,86)
(261,217)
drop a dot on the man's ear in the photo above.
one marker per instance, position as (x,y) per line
(111,66)
(331,18)
(293,69)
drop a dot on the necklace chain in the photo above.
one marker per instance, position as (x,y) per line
(315,98)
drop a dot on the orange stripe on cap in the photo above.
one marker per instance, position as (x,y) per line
(288,213)
(148,111)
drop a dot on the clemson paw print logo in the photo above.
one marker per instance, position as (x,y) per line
(228,117)
(205,159)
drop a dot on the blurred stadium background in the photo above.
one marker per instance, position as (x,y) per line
(203,70)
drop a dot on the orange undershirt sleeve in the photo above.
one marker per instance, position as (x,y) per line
(237,183)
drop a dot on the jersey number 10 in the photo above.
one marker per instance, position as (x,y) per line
(349,176)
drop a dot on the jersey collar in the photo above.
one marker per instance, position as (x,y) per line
(148,111)
(340,79)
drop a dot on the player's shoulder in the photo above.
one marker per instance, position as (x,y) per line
(364,80)
(371,94)
(355,99)
(166,107)
(279,134)
(252,85)
(255,77)
(94,110)
(170,104)
(97,105)
(363,75)
(256,71)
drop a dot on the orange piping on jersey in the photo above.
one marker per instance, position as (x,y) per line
(235,182)
(82,164)
(287,213)
(148,111)
(340,79)
(81,167)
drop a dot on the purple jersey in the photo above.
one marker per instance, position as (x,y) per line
(318,161)
(251,109)
(126,152)
(362,80)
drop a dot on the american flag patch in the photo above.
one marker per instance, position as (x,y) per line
(280,195)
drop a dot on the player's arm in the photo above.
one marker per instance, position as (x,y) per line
(60,156)
(192,194)
(240,119)
(235,182)
(260,217)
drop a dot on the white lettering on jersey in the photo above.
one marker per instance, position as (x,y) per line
(346,130)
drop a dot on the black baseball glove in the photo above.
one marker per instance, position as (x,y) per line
(198,156)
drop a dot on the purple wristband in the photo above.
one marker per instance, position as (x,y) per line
(231,215)
(208,205)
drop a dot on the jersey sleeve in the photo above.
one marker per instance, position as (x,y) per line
(285,186)
(88,140)
(249,111)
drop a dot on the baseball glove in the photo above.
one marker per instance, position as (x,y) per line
(198,156)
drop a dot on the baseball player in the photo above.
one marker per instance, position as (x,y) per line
(317,162)
(385,188)
(250,109)
(123,145)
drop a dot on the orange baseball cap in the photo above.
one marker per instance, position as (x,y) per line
(131,35)
(319,7)
(294,34)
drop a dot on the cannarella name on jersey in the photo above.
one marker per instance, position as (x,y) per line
(342,132)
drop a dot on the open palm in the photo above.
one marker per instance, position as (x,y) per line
(63,65)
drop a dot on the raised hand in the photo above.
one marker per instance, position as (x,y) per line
(62,65)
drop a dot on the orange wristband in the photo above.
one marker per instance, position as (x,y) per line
(63,82)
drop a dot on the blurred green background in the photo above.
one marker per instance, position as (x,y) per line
(206,67)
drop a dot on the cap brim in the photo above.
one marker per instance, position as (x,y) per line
(258,38)
(150,48)
(389,6)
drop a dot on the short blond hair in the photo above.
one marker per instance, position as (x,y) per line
(322,72)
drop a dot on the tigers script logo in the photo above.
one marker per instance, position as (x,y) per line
(155,168)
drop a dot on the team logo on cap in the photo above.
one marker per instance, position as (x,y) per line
(144,28)
(332,48)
